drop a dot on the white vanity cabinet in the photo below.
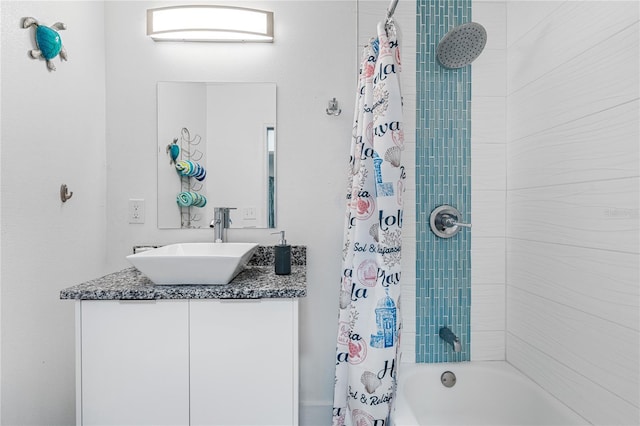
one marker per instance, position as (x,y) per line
(187,362)
(244,362)
(133,362)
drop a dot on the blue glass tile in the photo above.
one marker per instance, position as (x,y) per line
(443,287)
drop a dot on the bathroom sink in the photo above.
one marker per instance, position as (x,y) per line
(194,263)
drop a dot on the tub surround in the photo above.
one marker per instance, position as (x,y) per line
(257,281)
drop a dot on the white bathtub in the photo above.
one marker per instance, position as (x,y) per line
(485,393)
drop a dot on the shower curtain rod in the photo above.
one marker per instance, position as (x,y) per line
(392,8)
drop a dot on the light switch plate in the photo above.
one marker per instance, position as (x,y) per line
(249,213)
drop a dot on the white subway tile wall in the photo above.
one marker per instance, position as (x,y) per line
(573,281)
(488,185)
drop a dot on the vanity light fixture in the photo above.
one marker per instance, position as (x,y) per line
(210,23)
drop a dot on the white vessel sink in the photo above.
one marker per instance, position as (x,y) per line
(194,263)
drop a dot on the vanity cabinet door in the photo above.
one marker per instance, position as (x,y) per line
(134,362)
(244,362)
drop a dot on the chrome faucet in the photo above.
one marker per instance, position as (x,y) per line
(220,223)
(447,335)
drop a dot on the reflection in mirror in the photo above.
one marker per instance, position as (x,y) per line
(271,152)
(216,148)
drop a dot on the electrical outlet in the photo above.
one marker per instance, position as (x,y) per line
(136,211)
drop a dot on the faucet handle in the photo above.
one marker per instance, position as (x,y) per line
(221,216)
(451,221)
(445,221)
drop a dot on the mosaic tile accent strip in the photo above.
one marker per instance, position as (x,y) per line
(443,176)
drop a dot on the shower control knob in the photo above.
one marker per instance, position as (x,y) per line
(446,221)
(450,221)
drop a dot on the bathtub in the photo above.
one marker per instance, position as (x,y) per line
(485,393)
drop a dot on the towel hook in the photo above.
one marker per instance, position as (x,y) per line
(333,108)
(64,193)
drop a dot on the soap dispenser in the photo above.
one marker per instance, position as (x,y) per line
(282,254)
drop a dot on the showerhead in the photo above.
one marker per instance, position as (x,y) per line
(462,45)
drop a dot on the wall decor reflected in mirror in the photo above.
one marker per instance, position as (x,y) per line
(216,148)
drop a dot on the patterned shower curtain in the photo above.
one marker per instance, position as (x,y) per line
(369,318)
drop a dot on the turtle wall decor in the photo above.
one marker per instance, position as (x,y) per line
(48,41)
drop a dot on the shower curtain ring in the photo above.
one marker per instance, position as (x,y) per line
(333,108)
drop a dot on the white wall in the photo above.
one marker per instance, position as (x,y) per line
(573,281)
(488,185)
(53,132)
(311,60)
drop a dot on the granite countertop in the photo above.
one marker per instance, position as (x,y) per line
(258,280)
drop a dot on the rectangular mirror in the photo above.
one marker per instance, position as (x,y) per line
(216,148)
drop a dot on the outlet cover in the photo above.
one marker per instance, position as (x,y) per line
(136,211)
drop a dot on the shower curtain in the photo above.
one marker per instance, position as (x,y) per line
(369,315)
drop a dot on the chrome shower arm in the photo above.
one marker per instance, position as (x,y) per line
(392,8)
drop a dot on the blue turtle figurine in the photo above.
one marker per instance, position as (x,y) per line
(48,41)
